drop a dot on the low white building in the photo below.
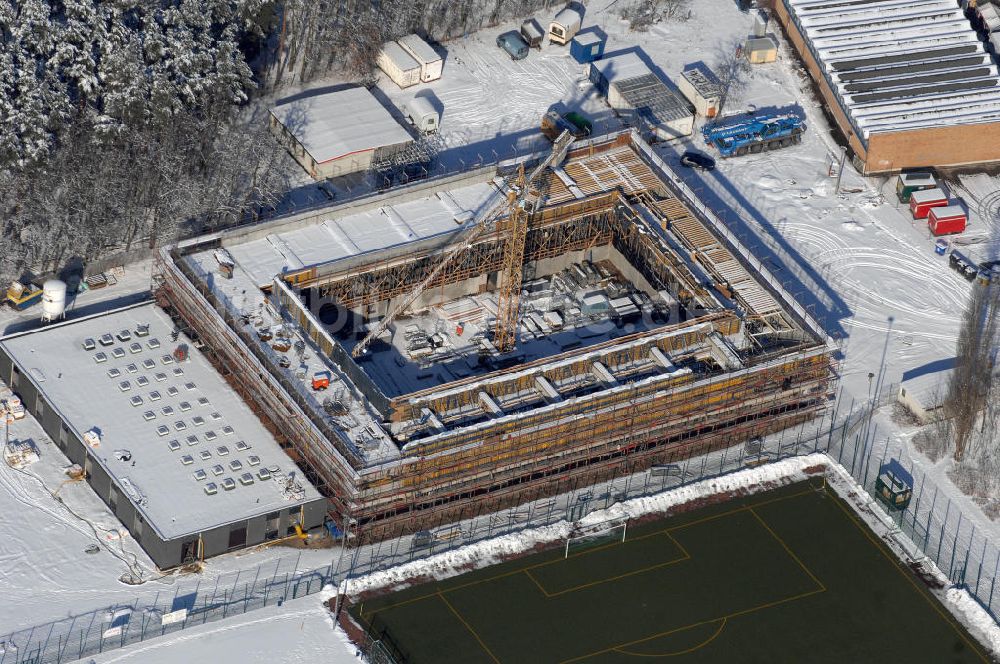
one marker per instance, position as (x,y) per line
(338,133)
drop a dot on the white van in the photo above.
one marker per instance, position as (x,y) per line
(420,112)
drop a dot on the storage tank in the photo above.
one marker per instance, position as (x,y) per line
(53,299)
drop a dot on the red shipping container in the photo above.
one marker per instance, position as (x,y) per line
(945,220)
(922,201)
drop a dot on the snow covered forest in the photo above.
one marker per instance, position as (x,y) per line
(127,123)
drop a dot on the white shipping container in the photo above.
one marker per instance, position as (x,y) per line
(398,65)
(431,64)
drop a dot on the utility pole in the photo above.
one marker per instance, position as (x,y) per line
(340,559)
(840,171)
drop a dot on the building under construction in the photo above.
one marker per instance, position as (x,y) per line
(467,344)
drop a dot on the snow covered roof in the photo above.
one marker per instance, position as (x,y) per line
(398,57)
(421,50)
(621,68)
(160,420)
(377,228)
(336,124)
(899,65)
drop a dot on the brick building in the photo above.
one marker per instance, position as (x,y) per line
(908,84)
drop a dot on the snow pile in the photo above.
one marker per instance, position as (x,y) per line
(975,617)
(751,480)
(489,552)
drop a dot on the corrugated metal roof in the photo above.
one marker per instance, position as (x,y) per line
(900,65)
(340,123)
(653,99)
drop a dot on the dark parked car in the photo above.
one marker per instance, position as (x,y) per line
(698,160)
(514,44)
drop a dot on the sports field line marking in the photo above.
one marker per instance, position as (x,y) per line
(735,614)
(468,627)
(787,549)
(685,556)
(686,651)
(897,564)
(469,584)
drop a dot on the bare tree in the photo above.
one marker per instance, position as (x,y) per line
(972,381)
(733,70)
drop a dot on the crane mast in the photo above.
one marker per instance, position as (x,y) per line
(518,202)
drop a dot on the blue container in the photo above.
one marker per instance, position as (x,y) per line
(941,247)
(586,47)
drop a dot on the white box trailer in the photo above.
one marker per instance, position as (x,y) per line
(566,24)
(398,65)
(431,64)
(420,112)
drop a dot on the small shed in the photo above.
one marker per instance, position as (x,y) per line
(702,88)
(946,220)
(587,47)
(532,33)
(398,65)
(339,132)
(907,183)
(922,201)
(760,50)
(894,485)
(566,24)
(431,64)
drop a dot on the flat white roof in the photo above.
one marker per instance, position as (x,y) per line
(399,57)
(134,392)
(899,65)
(337,237)
(336,124)
(421,50)
(621,68)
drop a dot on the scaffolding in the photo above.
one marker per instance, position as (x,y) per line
(518,433)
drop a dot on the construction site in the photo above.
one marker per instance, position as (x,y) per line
(462,345)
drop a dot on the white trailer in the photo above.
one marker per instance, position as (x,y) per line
(420,112)
(431,64)
(566,24)
(398,65)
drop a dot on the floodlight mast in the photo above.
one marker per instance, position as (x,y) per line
(510,199)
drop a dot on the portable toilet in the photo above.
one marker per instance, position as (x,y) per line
(586,47)
(946,220)
(907,183)
(894,485)
(566,24)
(923,200)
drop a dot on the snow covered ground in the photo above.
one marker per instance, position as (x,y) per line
(298,631)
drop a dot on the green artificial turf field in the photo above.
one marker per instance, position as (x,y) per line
(788,576)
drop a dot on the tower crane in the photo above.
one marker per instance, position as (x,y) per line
(517,200)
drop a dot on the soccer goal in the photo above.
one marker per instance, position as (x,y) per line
(596,534)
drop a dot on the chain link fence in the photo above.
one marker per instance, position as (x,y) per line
(936,526)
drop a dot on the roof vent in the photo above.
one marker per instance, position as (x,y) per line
(174,445)
(88,344)
(187,459)
(264,474)
(118,352)
(200,474)
(228,484)
(246,479)
(211,488)
(114,372)
(100,357)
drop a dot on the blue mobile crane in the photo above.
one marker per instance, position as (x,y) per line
(764,132)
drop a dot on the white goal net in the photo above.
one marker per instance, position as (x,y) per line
(586,537)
